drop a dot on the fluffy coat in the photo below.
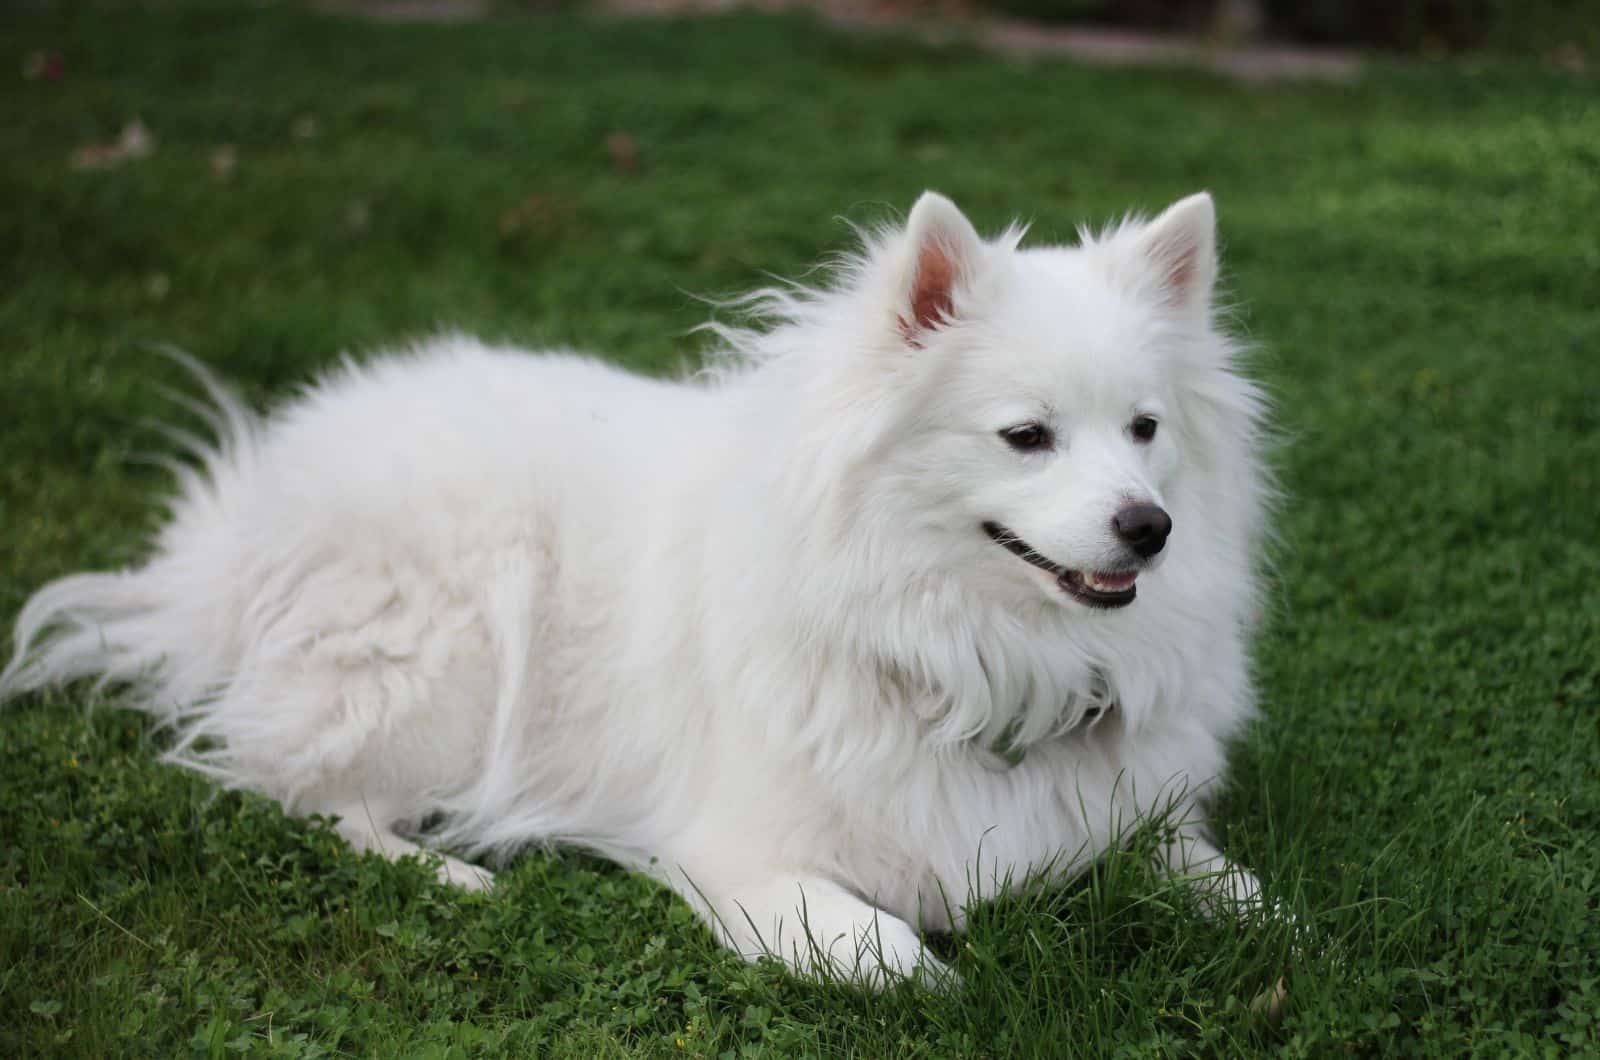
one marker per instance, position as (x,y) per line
(746,632)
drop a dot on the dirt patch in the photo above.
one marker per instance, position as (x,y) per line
(406,10)
(944,20)
(947,20)
(1252,62)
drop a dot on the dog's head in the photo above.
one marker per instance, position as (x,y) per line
(1046,402)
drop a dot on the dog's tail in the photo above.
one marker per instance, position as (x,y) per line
(85,625)
(146,628)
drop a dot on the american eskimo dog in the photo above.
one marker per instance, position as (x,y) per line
(936,577)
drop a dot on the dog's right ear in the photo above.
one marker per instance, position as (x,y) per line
(941,257)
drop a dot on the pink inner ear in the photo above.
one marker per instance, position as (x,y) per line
(931,299)
(1177,261)
(1180,272)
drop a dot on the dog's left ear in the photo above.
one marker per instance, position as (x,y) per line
(1181,246)
(942,254)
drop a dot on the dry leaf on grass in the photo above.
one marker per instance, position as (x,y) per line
(534,213)
(43,66)
(133,142)
(1270,1003)
(224,160)
(623,150)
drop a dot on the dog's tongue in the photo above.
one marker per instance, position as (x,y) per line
(1109,583)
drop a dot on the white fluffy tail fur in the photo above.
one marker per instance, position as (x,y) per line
(85,624)
(147,630)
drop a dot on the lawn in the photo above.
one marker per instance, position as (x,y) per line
(1417,257)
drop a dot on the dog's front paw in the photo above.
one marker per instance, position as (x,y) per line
(1224,888)
(458,873)
(822,931)
(878,953)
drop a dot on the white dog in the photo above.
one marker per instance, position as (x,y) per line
(942,578)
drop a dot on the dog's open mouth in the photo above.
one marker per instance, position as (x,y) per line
(1095,588)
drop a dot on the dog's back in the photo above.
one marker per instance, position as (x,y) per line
(398,557)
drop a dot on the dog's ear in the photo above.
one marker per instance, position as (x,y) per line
(942,254)
(1181,247)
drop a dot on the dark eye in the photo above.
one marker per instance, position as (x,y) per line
(1028,437)
(1143,428)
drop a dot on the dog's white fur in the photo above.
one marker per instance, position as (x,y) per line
(745,633)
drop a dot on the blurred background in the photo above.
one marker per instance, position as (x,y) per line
(1410,25)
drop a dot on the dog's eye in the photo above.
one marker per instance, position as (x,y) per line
(1028,437)
(1143,428)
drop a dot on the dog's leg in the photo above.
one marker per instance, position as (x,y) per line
(820,930)
(366,826)
(1224,887)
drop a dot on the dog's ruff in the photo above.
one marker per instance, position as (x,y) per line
(748,632)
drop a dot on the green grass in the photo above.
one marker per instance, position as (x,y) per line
(1417,256)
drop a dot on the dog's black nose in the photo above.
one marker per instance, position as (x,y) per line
(1143,528)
